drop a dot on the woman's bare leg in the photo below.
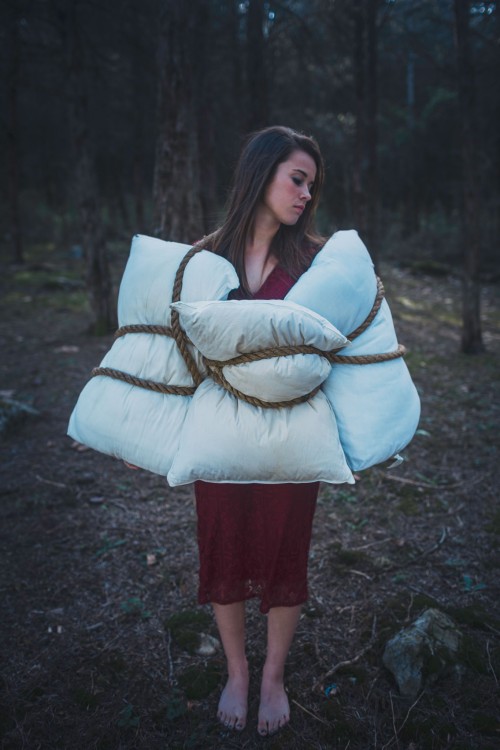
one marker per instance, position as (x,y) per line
(230,618)
(274,709)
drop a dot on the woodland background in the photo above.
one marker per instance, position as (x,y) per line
(125,117)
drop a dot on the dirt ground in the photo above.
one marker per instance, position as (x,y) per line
(99,619)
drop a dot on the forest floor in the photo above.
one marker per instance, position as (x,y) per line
(98,583)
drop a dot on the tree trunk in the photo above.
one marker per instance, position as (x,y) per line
(257,85)
(98,276)
(178,213)
(472,342)
(14,41)
(410,219)
(235,56)
(371,90)
(205,118)
(359,202)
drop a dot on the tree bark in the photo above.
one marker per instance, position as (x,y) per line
(98,277)
(13,133)
(257,84)
(410,225)
(178,214)
(359,202)
(372,184)
(204,106)
(472,342)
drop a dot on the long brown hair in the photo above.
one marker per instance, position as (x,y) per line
(293,245)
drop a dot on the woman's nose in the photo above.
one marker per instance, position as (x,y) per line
(306,194)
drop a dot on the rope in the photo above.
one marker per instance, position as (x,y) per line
(143,328)
(367,359)
(149,385)
(180,337)
(219,378)
(371,315)
(274,351)
(216,367)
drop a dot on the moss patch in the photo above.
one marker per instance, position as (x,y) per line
(494,524)
(199,681)
(486,723)
(474,616)
(186,627)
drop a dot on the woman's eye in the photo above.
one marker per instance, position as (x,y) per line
(297,181)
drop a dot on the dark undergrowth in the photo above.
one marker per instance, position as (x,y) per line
(100,626)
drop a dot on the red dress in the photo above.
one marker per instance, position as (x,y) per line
(253,539)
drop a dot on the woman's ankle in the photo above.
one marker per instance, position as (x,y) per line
(237,669)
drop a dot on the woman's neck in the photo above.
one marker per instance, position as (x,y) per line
(265,228)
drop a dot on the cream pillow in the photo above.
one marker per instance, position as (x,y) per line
(224,330)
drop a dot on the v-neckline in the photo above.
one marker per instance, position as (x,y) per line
(269,276)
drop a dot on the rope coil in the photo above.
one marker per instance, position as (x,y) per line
(215,367)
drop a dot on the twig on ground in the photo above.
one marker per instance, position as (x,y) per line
(374,681)
(371,544)
(409,607)
(49,481)
(306,710)
(348,662)
(430,486)
(425,553)
(168,643)
(490,627)
(360,573)
(409,711)
(436,546)
(115,502)
(393,721)
(398,731)
(489,662)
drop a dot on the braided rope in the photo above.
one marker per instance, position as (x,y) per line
(269,353)
(371,315)
(143,328)
(149,385)
(180,337)
(216,366)
(219,378)
(367,359)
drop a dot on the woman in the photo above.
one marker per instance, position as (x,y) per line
(254,539)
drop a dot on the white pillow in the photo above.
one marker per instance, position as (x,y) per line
(224,330)
(377,406)
(127,421)
(227,440)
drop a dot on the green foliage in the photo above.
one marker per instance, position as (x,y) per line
(128,719)
(109,544)
(134,606)
(85,699)
(199,681)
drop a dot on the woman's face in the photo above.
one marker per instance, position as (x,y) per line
(289,191)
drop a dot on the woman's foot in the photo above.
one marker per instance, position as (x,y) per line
(232,711)
(274,709)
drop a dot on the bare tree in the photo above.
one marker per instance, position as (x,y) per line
(472,341)
(257,84)
(359,195)
(14,42)
(98,276)
(178,212)
(365,179)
